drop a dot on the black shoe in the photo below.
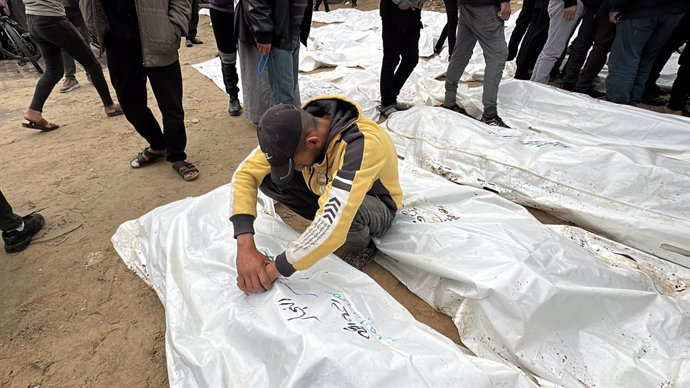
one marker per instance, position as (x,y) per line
(456,108)
(194,41)
(235,109)
(566,86)
(189,43)
(17,241)
(595,93)
(653,101)
(357,258)
(494,122)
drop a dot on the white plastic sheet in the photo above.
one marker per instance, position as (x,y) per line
(629,194)
(579,119)
(331,326)
(523,293)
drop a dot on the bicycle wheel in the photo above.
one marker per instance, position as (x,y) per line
(22,46)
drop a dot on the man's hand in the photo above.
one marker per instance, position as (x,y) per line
(252,276)
(264,48)
(504,13)
(405,5)
(615,17)
(569,13)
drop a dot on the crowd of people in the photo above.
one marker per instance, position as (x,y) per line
(346,180)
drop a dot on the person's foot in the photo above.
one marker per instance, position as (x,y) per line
(235,109)
(36,121)
(113,110)
(189,43)
(357,258)
(653,101)
(69,85)
(566,86)
(194,41)
(388,110)
(494,121)
(18,240)
(456,108)
(665,109)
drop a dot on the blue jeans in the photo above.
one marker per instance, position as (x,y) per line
(635,48)
(283,69)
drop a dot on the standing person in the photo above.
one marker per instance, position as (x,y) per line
(521,25)
(642,28)
(402,23)
(678,103)
(328,163)
(450,28)
(679,36)
(582,44)
(325,5)
(17,231)
(223,24)
(73,13)
(480,20)
(191,38)
(603,40)
(564,16)
(534,40)
(141,41)
(275,26)
(53,32)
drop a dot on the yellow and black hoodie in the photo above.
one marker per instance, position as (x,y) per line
(359,159)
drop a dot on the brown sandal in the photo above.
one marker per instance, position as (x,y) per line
(145,157)
(186,170)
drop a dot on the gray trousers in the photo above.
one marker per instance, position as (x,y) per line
(478,24)
(559,34)
(78,21)
(373,218)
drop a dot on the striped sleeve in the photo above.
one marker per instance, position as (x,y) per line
(360,167)
(245,183)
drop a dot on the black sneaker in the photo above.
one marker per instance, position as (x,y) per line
(357,258)
(189,43)
(17,241)
(653,101)
(235,109)
(456,108)
(195,41)
(494,122)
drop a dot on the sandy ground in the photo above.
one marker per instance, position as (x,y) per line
(71,313)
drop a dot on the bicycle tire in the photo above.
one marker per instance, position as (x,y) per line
(19,41)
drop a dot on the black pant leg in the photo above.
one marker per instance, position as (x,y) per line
(39,27)
(193,20)
(581,46)
(679,36)
(603,40)
(126,67)
(305,27)
(224,32)
(681,86)
(392,48)
(409,56)
(295,195)
(521,25)
(8,220)
(451,27)
(533,43)
(166,83)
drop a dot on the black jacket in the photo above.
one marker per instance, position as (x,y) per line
(631,9)
(272,21)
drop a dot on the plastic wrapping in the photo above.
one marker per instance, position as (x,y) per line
(631,195)
(579,119)
(530,295)
(331,326)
